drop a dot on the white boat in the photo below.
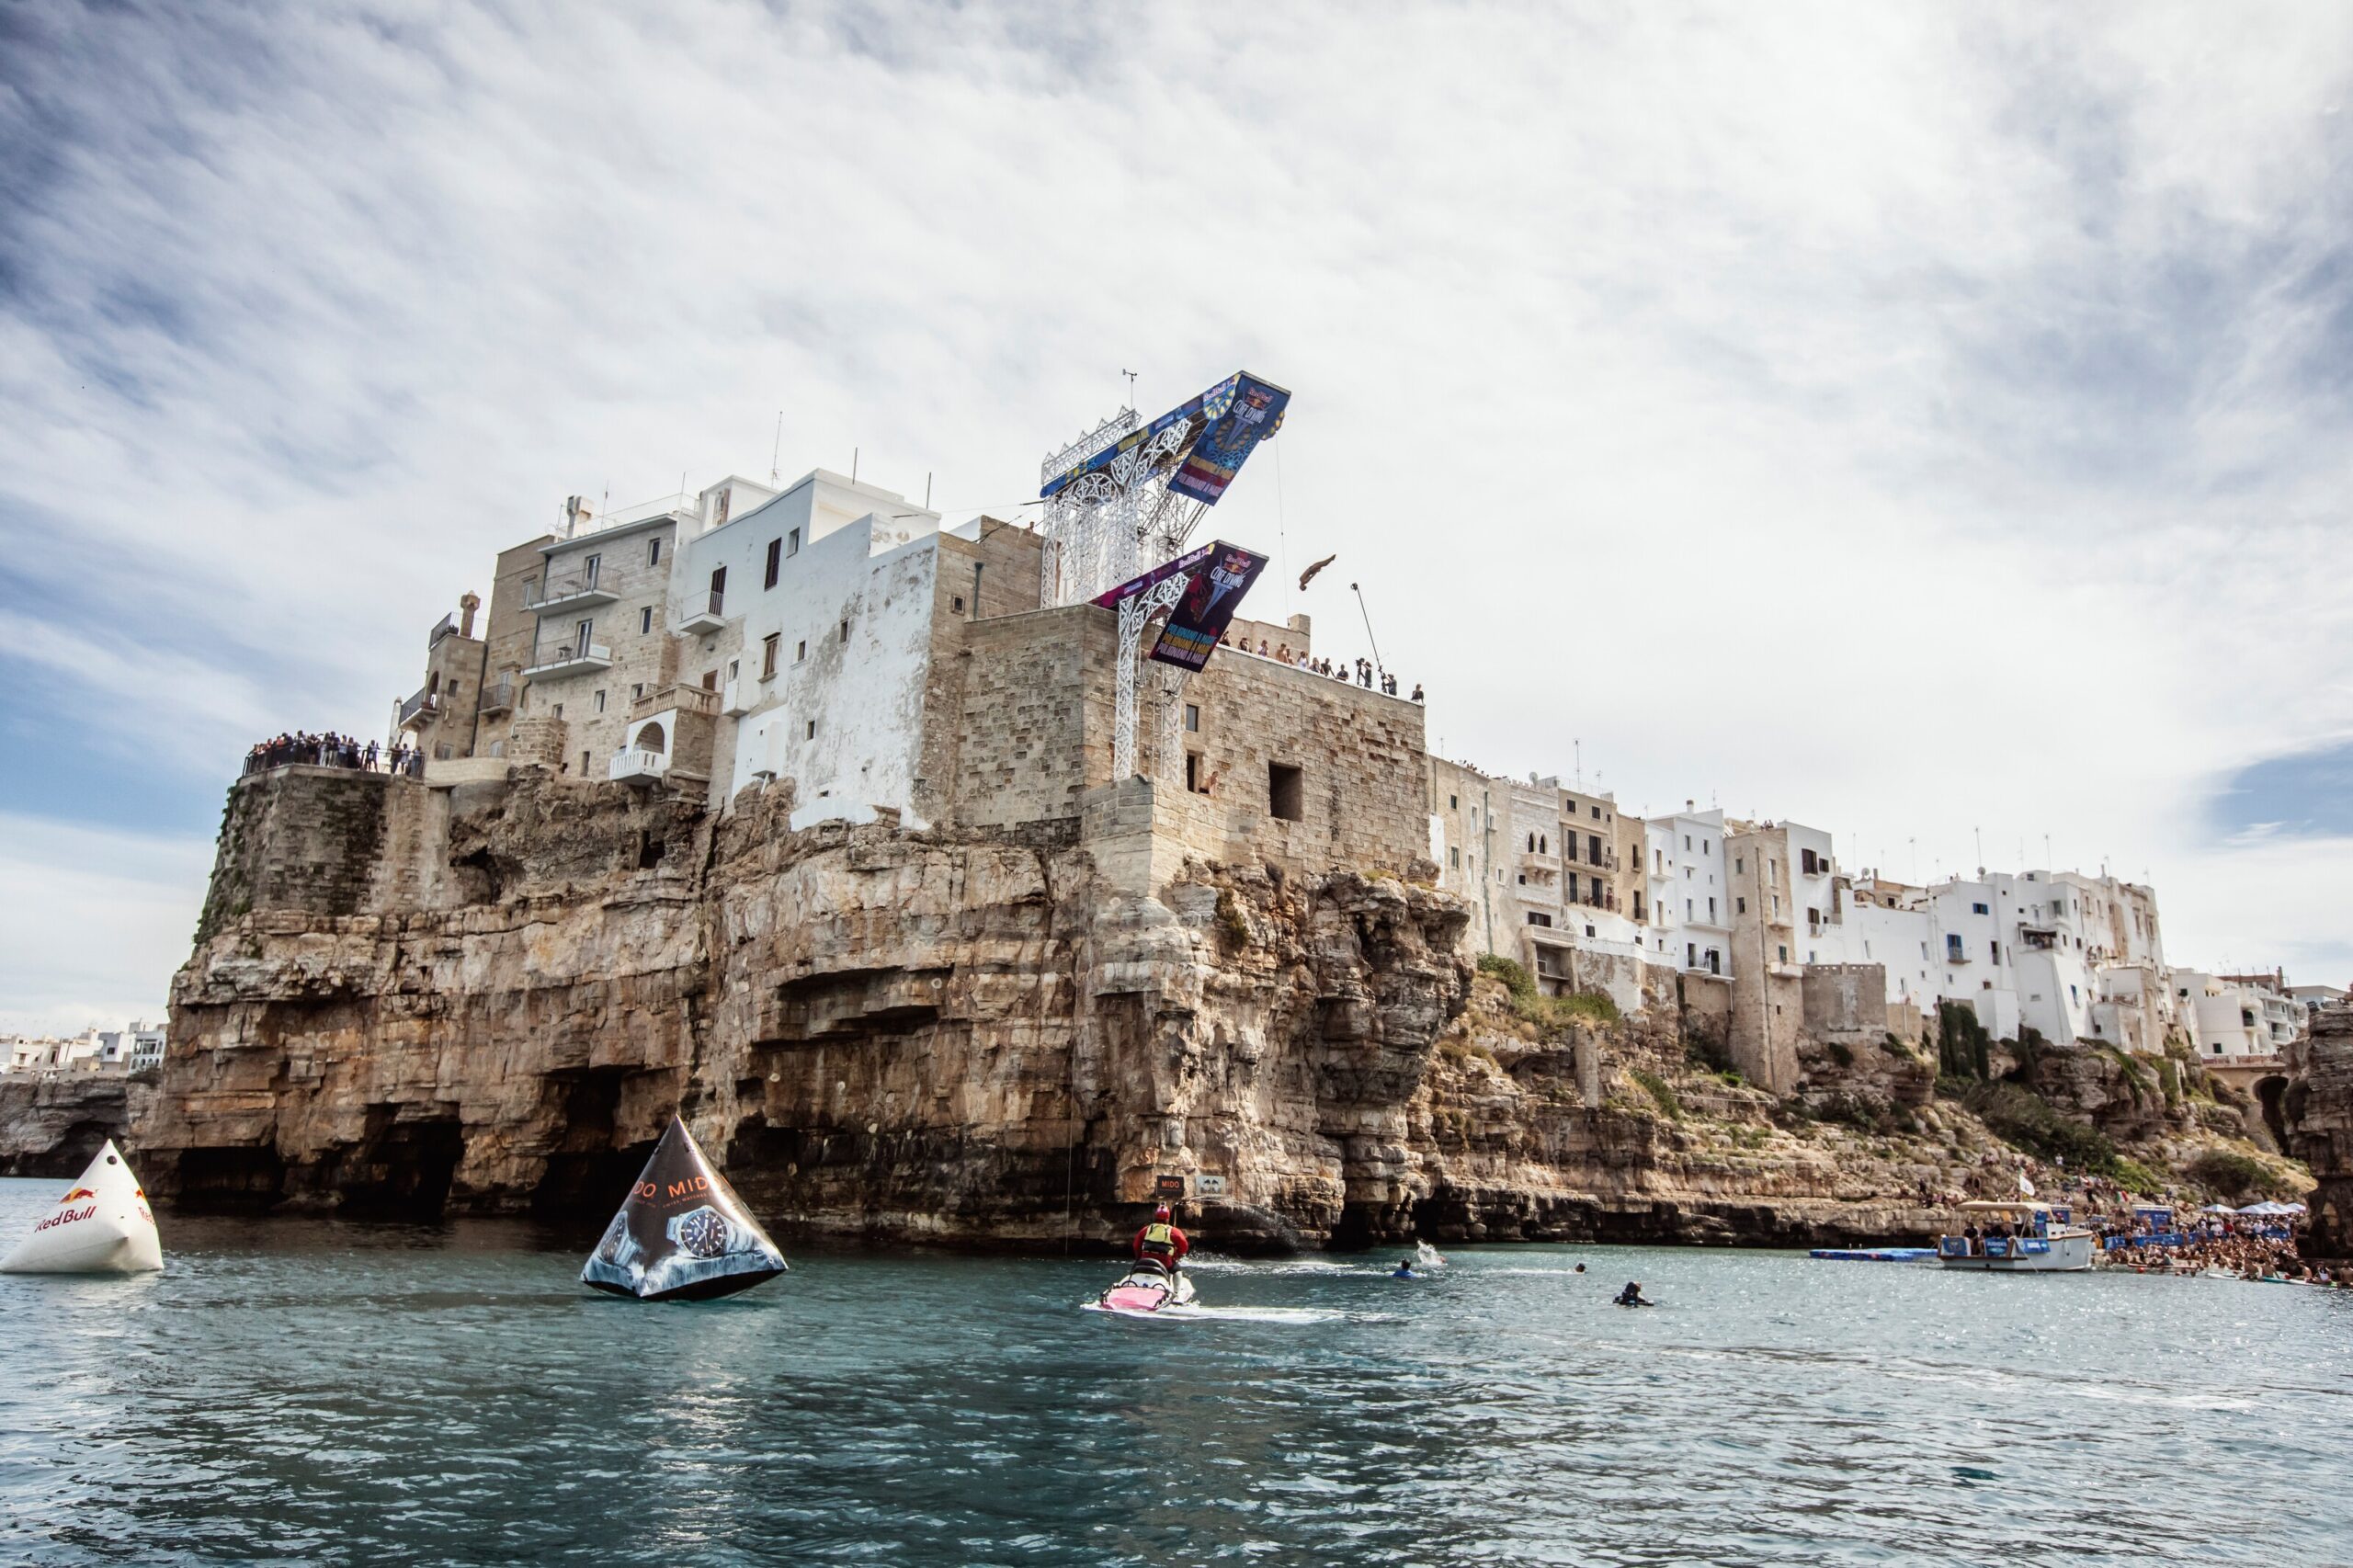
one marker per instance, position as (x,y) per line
(102,1225)
(2042,1239)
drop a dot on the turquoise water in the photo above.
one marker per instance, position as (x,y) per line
(315,1392)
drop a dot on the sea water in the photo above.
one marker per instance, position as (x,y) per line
(309,1391)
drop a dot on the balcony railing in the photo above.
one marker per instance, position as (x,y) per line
(570,657)
(499,698)
(581,590)
(637,766)
(447,626)
(419,709)
(703,612)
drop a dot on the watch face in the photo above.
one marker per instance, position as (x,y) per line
(703,1233)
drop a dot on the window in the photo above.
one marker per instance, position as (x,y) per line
(637,691)
(600,702)
(775,563)
(956,603)
(1784,949)
(1688,915)
(559,713)
(1523,878)
(845,630)
(793,542)
(1593,849)
(1687,843)
(1454,857)
(1531,844)
(810,733)
(1994,952)
(1193,772)
(653,553)
(769,646)
(582,633)
(800,650)
(1979,909)
(1711,912)
(1740,906)
(1286,793)
(1597,813)
(1540,919)
(1193,718)
(1952,946)
(1453,804)
(734,667)
(710,680)
(1739,863)
(1690,955)
(589,568)
(584,765)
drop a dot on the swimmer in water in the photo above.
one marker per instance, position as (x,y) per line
(1580,1268)
(1405,1271)
(1631,1296)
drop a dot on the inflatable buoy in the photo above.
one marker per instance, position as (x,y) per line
(682,1235)
(102,1225)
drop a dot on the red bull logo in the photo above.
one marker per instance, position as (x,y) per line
(76,1195)
(67,1218)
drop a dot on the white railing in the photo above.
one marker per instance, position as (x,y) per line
(634,763)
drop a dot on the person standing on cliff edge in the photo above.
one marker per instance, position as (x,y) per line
(1161,1241)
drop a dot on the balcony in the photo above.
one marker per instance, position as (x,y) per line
(677,696)
(499,698)
(736,697)
(635,767)
(570,659)
(580,591)
(703,616)
(446,627)
(420,711)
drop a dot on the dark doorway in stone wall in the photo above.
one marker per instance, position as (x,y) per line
(400,1169)
(236,1180)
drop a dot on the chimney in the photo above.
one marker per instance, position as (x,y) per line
(576,512)
(467,605)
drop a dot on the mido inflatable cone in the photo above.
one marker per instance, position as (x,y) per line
(683,1234)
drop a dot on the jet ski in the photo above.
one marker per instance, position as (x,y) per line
(1148,1287)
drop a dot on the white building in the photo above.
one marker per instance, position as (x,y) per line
(1690,901)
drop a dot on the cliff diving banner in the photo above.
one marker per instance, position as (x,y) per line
(1242,411)
(1238,413)
(1199,622)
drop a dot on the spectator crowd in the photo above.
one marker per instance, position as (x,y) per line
(1363,672)
(331,750)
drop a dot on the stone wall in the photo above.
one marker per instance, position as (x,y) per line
(299,839)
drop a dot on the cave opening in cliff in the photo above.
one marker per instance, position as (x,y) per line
(235,1179)
(401,1168)
(588,1175)
(2271,1094)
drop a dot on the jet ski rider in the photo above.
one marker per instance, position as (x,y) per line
(1161,1241)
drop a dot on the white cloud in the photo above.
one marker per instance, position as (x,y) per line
(92,925)
(1912,424)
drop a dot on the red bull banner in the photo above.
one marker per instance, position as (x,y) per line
(1242,411)
(1199,621)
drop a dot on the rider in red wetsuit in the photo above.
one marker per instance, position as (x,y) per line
(1161,1241)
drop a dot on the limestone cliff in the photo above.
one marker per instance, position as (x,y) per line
(2317,1118)
(52,1124)
(490,997)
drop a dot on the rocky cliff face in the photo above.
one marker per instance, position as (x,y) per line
(53,1124)
(2317,1117)
(492,997)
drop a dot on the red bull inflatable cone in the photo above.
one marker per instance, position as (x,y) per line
(683,1235)
(102,1225)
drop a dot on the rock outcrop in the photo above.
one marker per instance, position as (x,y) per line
(52,1124)
(2316,1113)
(490,997)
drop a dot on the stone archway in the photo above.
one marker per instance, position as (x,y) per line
(2271,1094)
(651,738)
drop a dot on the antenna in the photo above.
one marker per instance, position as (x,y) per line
(853,465)
(926,491)
(776,451)
(1576,750)
(1131,387)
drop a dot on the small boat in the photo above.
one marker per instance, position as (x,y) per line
(1876,1255)
(1147,1288)
(2041,1239)
(682,1234)
(102,1225)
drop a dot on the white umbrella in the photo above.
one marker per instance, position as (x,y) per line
(2252,1208)
(2291,1209)
(2218,1209)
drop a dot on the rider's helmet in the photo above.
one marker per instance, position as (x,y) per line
(1161,1212)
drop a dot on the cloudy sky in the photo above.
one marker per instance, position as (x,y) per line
(1925,423)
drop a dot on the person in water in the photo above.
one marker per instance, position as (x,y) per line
(1631,1296)
(1580,1268)
(1161,1241)
(1405,1271)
